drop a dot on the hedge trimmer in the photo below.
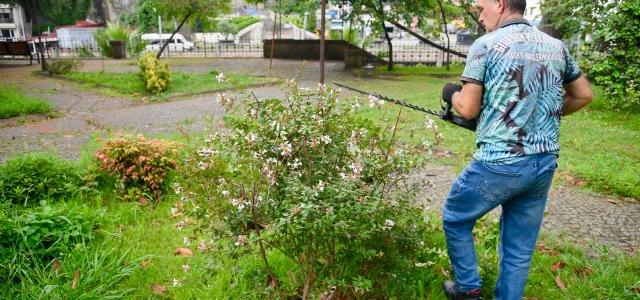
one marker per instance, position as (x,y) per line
(445,114)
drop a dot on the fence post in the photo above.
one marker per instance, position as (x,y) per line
(218,49)
(439,56)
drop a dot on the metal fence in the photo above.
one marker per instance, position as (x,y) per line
(416,52)
(408,52)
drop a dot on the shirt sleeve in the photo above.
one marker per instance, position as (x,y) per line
(572,71)
(476,66)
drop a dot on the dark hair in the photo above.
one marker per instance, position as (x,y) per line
(518,6)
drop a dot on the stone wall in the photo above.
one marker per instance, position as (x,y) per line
(310,49)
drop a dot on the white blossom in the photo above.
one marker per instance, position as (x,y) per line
(220,77)
(186,241)
(388,224)
(186,268)
(241,241)
(326,139)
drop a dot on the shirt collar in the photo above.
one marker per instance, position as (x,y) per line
(513,21)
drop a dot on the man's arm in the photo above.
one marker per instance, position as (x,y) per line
(577,95)
(468,101)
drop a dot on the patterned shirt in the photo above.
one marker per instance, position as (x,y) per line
(522,70)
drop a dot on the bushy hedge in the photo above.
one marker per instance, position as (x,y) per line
(32,177)
(155,74)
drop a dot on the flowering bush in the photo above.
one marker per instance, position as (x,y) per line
(306,176)
(142,165)
(155,74)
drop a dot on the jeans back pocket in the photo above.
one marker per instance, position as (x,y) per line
(548,180)
(496,186)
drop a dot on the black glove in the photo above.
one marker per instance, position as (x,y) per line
(448,91)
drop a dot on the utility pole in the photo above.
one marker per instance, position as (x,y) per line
(322,40)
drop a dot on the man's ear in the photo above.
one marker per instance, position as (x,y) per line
(501,6)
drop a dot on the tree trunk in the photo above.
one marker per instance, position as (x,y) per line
(322,39)
(386,35)
(174,33)
(446,31)
(40,53)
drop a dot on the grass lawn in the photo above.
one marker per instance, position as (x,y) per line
(129,83)
(13,103)
(599,145)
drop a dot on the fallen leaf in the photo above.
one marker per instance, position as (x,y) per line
(143,201)
(630,249)
(158,288)
(176,215)
(612,201)
(557,266)
(442,271)
(272,283)
(56,266)
(183,251)
(135,94)
(574,226)
(326,296)
(76,276)
(476,240)
(582,271)
(570,180)
(145,263)
(636,289)
(125,262)
(561,190)
(582,183)
(441,154)
(179,205)
(560,283)
(66,137)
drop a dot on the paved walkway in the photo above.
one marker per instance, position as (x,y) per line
(573,214)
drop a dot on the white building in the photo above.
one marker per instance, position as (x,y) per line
(13,23)
(533,12)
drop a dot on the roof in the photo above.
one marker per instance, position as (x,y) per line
(79,24)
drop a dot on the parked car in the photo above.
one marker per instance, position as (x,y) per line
(177,43)
(451,28)
(464,37)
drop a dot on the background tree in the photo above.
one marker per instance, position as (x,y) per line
(37,8)
(605,40)
(189,11)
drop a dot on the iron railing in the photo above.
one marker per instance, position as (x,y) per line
(411,52)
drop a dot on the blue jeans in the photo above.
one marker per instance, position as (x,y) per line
(521,189)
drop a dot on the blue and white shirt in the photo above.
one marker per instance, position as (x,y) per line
(522,70)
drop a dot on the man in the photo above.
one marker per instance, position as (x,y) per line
(513,84)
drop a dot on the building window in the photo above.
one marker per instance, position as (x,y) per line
(6,15)
(6,34)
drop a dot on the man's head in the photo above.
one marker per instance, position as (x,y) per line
(492,12)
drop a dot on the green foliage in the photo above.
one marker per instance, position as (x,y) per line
(243,21)
(68,14)
(31,177)
(82,273)
(613,57)
(182,83)
(226,28)
(14,103)
(327,188)
(59,66)
(45,231)
(353,35)
(299,21)
(142,165)
(143,18)
(155,74)
(117,31)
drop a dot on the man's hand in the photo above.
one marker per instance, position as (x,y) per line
(448,91)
